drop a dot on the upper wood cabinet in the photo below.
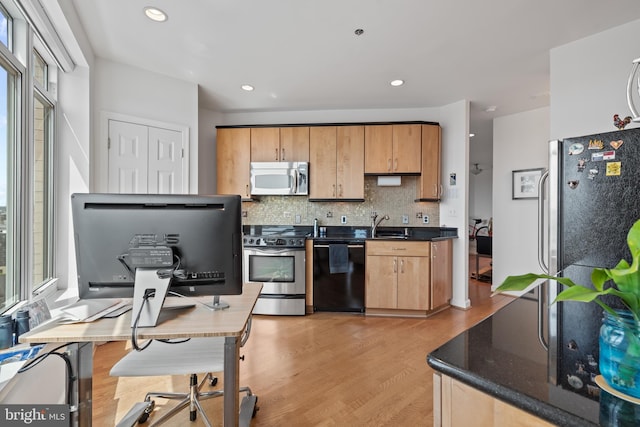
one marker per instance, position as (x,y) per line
(286,144)
(233,151)
(429,184)
(393,149)
(336,162)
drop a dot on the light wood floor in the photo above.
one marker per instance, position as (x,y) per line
(325,369)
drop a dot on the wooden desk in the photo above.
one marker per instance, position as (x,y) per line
(192,323)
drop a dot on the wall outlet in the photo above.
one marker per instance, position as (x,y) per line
(405,219)
(298,219)
(425,219)
(343,219)
(329,214)
(419,215)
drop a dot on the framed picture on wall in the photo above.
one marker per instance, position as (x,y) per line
(525,183)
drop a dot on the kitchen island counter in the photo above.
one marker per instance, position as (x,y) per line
(502,358)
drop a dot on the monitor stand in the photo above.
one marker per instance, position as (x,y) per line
(217,304)
(147,281)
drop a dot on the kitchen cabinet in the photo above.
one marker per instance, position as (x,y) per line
(398,275)
(233,151)
(336,162)
(452,400)
(284,144)
(393,149)
(441,273)
(429,184)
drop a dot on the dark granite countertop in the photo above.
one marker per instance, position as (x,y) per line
(501,356)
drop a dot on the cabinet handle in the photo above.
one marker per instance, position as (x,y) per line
(276,154)
(441,191)
(283,158)
(398,249)
(402,266)
(435,190)
(334,191)
(246,190)
(339,190)
(395,165)
(395,266)
(388,165)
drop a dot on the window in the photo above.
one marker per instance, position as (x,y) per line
(5,28)
(27,118)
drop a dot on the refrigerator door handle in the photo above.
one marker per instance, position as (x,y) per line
(541,196)
(541,259)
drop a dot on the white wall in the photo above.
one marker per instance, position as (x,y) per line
(131,91)
(454,211)
(207,180)
(520,141)
(589,81)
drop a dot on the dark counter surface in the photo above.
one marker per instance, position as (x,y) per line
(501,356)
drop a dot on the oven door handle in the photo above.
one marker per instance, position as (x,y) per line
(349,246)
(268,252)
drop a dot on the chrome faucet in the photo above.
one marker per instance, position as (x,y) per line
(374,224)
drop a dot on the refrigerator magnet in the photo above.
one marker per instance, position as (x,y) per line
(593,172)
(576,148)
(608,155)
(597,157)
(596,144)
(613,168)
(582,163)
(616,144)
(573,184)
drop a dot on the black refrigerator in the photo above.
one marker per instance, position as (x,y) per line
(593,200)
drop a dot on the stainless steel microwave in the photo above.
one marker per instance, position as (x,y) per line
(279,178)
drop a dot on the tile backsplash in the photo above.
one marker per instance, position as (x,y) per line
(393,201)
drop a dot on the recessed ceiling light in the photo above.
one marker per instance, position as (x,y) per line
(397,82)
(248,88)
(491,109)
(155,14)
(471,135)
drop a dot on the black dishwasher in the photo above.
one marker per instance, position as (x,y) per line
(338,275)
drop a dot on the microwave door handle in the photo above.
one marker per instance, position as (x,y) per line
(295,181)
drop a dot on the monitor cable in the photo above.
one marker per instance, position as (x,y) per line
(65,357)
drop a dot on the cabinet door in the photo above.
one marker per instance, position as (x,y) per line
(233,151)
(381,282)
(350,162)
(407,148)
(413,283)
(441,273)
(265,144)
(378,149)
(294,144)
(322,160)
(429,183)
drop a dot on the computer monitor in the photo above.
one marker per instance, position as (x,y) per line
(130,245)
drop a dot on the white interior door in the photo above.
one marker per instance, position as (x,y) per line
(165,161)
(144,159)
(128,154)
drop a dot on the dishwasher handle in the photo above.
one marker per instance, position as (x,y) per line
(349,246)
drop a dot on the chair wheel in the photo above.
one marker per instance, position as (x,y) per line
(143,418)
(147,411)
(213,381)
(255,408)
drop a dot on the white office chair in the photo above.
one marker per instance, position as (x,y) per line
(160,358)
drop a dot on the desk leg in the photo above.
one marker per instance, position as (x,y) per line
(82,364)
(231,382)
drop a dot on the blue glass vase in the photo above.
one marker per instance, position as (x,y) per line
(620,352)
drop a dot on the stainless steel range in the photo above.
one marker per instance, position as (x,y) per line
(275,257)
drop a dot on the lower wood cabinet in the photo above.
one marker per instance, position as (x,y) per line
(402,278)
(456,404)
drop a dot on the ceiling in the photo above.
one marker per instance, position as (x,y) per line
(305,55)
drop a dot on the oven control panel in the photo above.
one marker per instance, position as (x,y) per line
(279,241)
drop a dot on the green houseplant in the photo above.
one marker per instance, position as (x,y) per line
(626,287)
